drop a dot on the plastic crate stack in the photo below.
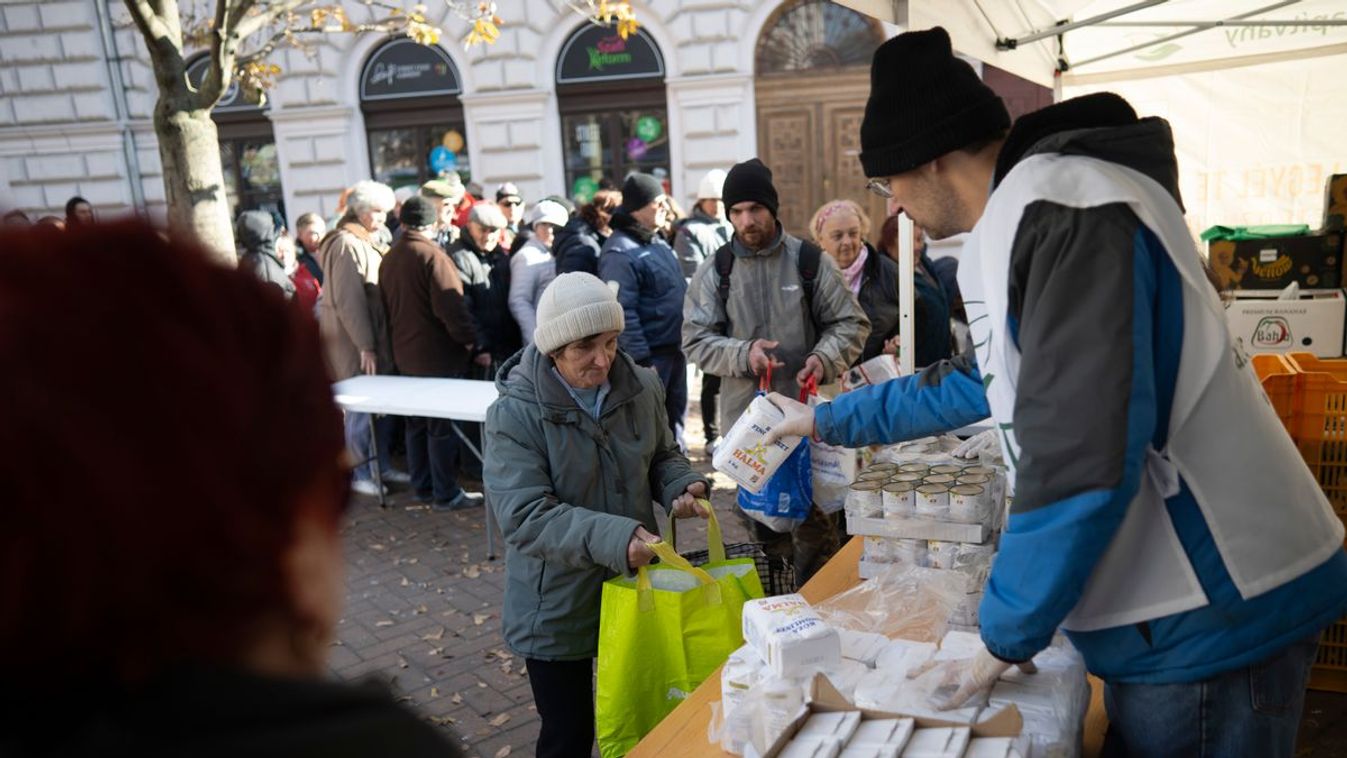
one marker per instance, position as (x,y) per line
(1310,396)
(918,506)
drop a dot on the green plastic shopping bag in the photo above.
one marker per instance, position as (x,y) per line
(662,633)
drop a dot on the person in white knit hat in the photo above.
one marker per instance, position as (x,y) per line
(577,449)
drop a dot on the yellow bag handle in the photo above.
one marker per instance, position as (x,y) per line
(670,557)
(715,541)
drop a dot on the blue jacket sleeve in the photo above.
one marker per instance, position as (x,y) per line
(618,266)
(942,398)
(1085,414)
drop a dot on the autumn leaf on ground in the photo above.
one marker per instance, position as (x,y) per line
(434,636)
(434,691)
(480,618)
(500,720)
(503,752)
(457,699)
(385,622)
(473,571)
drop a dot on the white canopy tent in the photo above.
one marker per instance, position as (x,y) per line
(1250,86)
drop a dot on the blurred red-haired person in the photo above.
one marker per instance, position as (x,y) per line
(170,543)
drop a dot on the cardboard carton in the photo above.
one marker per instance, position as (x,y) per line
(1313,260)
(1313,323)
(824,698)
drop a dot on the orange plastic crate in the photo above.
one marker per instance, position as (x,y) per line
(1279,382)
(1319,423)
(1319,427)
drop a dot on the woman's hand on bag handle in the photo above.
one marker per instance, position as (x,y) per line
(759,360)
(638,553)
(799,419)
(686,505)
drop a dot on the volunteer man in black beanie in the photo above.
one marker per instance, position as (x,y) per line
(769,302)
(1194,586)
(433,335)
(644,270)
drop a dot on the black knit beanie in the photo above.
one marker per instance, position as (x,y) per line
(639,191)
(924,102)
(417,212)
(750,180)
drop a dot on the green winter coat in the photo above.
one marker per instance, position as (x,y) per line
(568,492)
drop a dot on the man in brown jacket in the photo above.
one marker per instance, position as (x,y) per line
(432,335)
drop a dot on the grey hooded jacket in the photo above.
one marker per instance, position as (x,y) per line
(766,301)
(568,492)
(256,232)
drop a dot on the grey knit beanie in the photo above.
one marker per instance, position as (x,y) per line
(574,306)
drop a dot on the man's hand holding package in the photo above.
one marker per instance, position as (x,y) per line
(638,552)
(799,419)
(686,505)
(979,675)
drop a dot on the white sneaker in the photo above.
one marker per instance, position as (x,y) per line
(366,487)
(397,477)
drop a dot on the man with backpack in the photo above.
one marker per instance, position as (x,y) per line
(770,304)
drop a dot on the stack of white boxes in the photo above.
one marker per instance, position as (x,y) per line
(929,510)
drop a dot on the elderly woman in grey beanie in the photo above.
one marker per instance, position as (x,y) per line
(577,450)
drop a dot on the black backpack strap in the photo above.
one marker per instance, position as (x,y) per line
(724,265)
(808,263)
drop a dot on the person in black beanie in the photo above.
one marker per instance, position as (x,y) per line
(768,304)
(650,286)
(1101,350)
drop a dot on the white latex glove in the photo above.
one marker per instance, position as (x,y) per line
(978,675)
(799,419)
(982,442)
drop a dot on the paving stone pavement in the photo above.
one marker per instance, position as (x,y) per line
(423,609)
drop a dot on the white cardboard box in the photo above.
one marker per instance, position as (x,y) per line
(924,529)
(1313,323)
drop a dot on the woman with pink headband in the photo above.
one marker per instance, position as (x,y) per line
(841,227)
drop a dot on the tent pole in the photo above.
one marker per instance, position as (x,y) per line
(1199,28)
(907,340)
(1036,35)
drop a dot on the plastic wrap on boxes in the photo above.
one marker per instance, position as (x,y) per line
(741,672)
(863,647)
(1052,702)
(790,635)
(901,656)
(927,598)
(845,676)
(917,694)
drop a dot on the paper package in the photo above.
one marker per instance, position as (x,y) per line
(787,633)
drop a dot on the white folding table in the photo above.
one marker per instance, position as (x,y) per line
(451,399)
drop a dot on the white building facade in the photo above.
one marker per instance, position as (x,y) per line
(556,106)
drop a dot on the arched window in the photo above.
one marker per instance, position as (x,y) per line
(614,112)
(816,34)
(252,174)
(413,117)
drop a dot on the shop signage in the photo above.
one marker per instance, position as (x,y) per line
(583,188)
(442,160)
(233,100)
(403,68)
(599,54)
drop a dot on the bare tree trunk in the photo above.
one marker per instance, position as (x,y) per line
(193,177)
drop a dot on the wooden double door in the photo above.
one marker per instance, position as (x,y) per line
(809,134)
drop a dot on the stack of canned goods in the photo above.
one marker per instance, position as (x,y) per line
(936,492)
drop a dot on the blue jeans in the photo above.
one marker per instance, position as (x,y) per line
(432,458)
(1251,711)
(358,442)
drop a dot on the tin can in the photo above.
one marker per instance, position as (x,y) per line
(968,504)
(900,500)
(933,501)
(911,477)
(945,479)
(981,480)
(879,550)
(865,499)
(978,469)
(947,468)
(872,476)
(914,467)
(887,466)
(909,552)
(941,555)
